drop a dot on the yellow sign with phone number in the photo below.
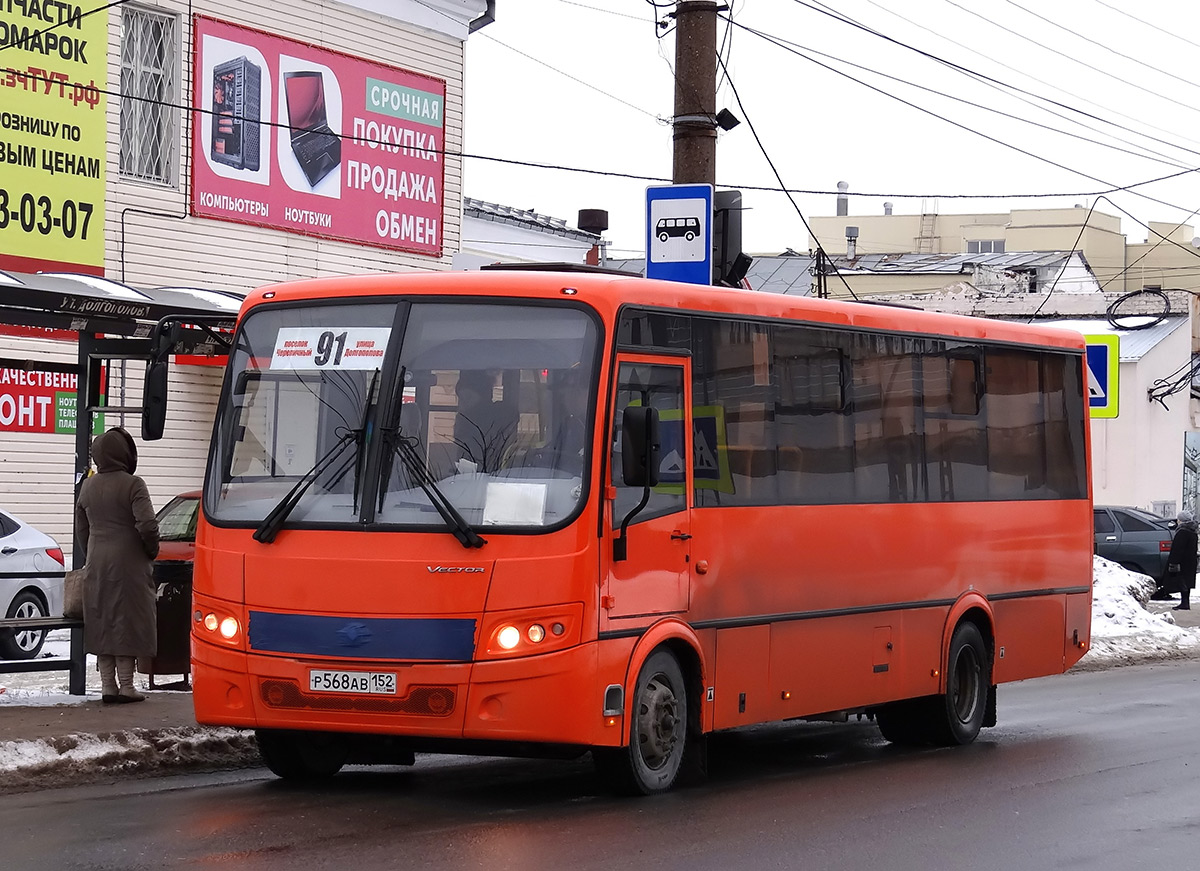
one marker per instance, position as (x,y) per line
(53,132)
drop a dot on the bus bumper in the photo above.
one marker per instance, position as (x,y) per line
(543,699)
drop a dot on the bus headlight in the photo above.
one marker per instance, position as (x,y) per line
(508,637)
(217,626)
(508,634)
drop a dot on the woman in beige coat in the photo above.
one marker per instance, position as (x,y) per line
(115,524)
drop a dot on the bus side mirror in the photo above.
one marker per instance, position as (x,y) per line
(154,401)
(641,447)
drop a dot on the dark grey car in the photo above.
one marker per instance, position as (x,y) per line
(1136,539)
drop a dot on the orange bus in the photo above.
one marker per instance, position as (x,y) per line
(514,512)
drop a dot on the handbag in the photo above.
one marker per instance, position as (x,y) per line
(73,585)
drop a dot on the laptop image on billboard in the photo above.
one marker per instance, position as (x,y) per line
(317,148)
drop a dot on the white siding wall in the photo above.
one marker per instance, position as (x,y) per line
(174,248)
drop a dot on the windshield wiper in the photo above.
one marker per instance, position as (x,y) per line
(404,447)
(273,522)
(269,528)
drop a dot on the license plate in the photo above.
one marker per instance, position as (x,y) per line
(370,682)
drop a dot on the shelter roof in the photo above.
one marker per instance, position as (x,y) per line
(98,305)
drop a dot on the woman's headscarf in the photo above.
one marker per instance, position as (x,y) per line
(114,451)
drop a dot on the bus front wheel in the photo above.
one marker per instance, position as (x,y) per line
(658,733)
(301,755)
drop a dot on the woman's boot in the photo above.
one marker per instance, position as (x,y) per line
(107,666)
(127,693)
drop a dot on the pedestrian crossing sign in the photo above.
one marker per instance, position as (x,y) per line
(1103,358)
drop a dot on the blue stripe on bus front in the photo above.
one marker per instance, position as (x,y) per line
(363,637)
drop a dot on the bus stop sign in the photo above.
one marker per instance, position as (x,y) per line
(1103,359)
(679,233)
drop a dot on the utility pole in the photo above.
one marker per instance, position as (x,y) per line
(695,125)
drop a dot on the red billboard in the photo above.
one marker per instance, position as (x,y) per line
(308,140)
(33,400)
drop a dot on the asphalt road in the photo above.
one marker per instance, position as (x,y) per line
(1093,771)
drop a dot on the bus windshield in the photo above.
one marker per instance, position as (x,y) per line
(352,413)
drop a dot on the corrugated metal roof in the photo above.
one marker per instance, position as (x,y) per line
(1134,344)
(787,273)
(527,217)
(954,264)
(780,274)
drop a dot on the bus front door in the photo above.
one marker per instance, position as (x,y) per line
(654,578)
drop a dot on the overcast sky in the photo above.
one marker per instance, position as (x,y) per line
(588,84)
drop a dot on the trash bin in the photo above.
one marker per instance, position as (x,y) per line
(174,584)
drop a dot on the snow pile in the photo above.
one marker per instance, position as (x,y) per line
(1126,626)
(75,758)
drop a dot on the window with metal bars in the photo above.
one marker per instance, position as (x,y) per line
(149,95)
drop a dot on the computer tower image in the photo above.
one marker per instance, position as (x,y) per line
(237,86)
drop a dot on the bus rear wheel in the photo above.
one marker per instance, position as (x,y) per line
(951,718)
(658,733)
(958,717)
(301,755)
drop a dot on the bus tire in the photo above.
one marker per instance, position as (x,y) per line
(904,723)
(959,715)
(658,732)
(301,755)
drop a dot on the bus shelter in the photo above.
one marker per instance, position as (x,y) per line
(112,321)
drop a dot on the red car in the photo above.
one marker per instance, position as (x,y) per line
(177,527)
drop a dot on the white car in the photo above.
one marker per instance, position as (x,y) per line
(31,583)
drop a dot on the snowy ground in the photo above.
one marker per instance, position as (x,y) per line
(1126,628)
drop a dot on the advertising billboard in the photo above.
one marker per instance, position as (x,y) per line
(33,400)
(53,72)
(312,141)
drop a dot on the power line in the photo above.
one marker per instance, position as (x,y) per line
(771,164)
(1025,74)
(605,11)
(1161,158)
(1068,57)
(964,127)
(843,19)
(184,107)
(1147,23)
(1099,44)
(575,79)
(1192,251)
(1111,189)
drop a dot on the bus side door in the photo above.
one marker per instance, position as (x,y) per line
(655,576)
